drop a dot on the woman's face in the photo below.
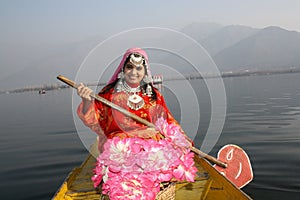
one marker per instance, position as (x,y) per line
(133,74)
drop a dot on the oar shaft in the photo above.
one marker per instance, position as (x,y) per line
(208,157)
(139,119)
(108,103)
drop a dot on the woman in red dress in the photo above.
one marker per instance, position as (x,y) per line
(130,87)
(134,159)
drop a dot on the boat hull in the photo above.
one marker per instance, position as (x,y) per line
(209,184)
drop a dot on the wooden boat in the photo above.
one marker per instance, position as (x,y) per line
(209,184)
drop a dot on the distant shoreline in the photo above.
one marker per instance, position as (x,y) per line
(227,74)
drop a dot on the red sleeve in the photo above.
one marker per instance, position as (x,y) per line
(90,118)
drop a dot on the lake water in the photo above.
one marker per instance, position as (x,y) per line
(39,144)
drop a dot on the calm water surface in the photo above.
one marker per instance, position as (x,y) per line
(39,145)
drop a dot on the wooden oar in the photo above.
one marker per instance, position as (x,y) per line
(139,119)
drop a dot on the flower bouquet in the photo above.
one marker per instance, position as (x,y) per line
(134,168)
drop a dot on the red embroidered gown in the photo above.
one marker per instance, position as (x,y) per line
(108,123)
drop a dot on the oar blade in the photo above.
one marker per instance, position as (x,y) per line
(239,169)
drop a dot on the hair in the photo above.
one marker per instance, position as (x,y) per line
(107,88)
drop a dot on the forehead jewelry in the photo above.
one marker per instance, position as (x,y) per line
(136,59)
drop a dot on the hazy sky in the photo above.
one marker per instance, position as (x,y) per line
(55,21)
(30,27)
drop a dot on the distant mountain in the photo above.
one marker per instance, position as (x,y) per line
(225,37)
(200,31)
(232,47)
(271,47)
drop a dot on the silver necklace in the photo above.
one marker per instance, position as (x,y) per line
(134,101)
(129,89)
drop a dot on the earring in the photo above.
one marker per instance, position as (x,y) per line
(120,86)
(149,90)
(147,79)
(121,75)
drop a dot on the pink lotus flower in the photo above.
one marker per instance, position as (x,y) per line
(133,168)
(133,186)
(186,169)
(172,132)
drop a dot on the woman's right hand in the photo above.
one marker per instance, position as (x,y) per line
(84,92)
